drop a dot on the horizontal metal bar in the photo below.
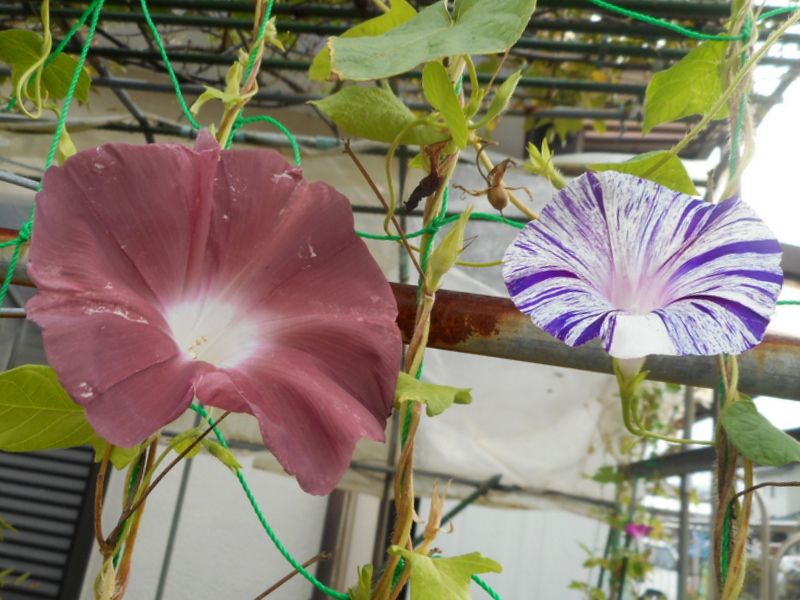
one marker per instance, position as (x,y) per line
(491,326)
(300,65)
(632,30)
(561,51)
(604,26)
(681,463)
(608,50)
(565,112)
(18,180)
(674,10)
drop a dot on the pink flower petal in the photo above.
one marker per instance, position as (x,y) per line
(144,205)
(124,414)
(164,272)
(310,423)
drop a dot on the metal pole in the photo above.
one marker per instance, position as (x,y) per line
(683,519)
(776,563)
(766,536)
(173,526)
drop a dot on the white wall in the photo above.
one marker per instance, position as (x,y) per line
(539,550)
(221,550)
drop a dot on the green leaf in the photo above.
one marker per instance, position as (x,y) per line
(756,438)
(184,440)
(444,578)
(57,77)
(437,398)
(501,99)
(361,591)
(120,457)
(38,414)
(230,96)
(563,127)
(671,174)
(440,95)
(689,87)
(20,49)
(476,91)
(608,474)
(375,113)
(399,12)
(222,454)
(447,252)
(66,147)
(475,27)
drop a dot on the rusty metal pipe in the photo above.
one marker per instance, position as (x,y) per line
(492,326)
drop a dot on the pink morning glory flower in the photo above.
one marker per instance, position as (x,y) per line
(637,530)
(166,274)
(646,269)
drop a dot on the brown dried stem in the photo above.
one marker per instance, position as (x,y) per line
(403,239)
(321,557)
(143,496)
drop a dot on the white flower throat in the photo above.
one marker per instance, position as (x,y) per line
(213,331)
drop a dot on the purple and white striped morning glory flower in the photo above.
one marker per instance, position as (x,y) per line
(646,269)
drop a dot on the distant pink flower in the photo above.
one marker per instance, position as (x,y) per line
(638,530)
(166,273)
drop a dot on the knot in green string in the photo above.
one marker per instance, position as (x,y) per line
(25,231)
(747,28)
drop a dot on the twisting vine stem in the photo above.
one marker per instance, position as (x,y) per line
(732,89)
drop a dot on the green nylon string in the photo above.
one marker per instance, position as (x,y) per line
(744,35)
(27,227)
(71,33)
(251,61)
(486,588)
(263,520)
(438,224)
(168,66)
(242,121)
(262,29)
(656,22)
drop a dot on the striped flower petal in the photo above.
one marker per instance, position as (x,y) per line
(646,269)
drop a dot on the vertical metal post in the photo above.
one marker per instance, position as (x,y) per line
(793,540)
(766,537)
(683,519)
(333,540)
(20,330)
(713,591)
(173,526)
